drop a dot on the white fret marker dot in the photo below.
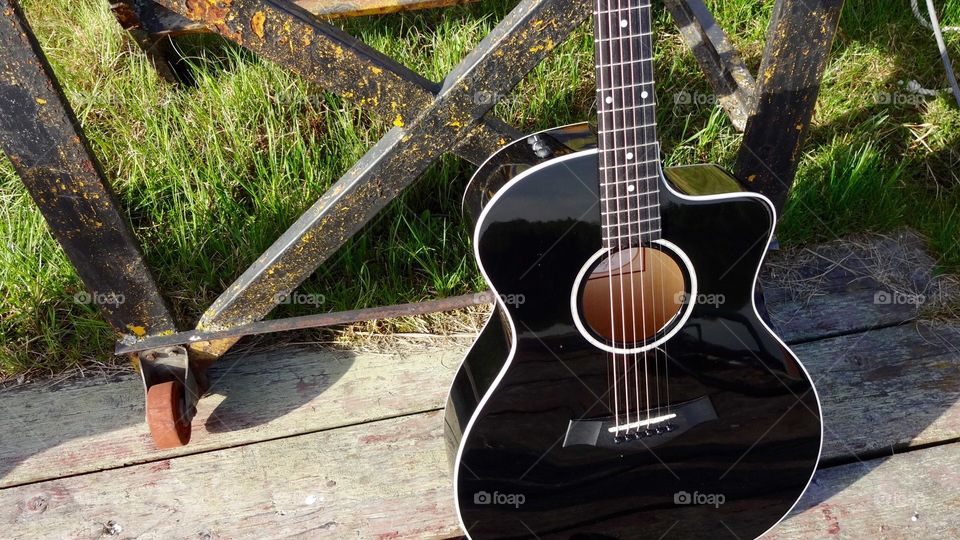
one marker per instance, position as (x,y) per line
(644,94)
(609,99)
(623,23)
(630,188)
(629,155)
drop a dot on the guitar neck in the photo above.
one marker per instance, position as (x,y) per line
(629,154)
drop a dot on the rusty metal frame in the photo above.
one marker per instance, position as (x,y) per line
(430,118)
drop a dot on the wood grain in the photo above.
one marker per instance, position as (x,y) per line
(381,480)
(87,425)
(908,496)
(887,389)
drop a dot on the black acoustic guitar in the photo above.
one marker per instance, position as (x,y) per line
(626,385)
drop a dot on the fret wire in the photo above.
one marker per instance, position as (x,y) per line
(624,87)
(642,145)
(618,38)
(633,236)
(645,180)
(631,165)
(641,126)
(608,149)
(631,195)
(624,63)
(630,209)
(618,10)
(612,225)
(626,109)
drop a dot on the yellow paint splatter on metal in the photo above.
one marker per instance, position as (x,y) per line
(138,331)
(256,23)
(398,121)
(41,101)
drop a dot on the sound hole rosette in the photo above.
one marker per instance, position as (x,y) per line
(662,335)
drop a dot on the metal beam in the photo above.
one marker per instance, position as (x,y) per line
(525,36)
(798,44)
(40,134)
(718,58)
(308,321)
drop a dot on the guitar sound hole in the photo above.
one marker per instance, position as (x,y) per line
(633,295)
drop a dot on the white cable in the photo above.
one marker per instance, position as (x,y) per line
(934,24)
(926,23)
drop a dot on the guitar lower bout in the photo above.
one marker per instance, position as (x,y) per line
(560,425)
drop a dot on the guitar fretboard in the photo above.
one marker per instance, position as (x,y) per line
(626,109)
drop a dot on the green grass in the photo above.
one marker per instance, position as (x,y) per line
(211,175)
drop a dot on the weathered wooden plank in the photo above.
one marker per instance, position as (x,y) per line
(908,496)
(85,425)
(387,479)
(902,381)
(887,389)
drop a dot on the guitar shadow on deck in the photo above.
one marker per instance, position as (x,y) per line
(888,377)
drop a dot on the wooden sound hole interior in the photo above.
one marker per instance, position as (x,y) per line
(633,294)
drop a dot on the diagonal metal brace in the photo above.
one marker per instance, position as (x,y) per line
(40,134)
(525,36)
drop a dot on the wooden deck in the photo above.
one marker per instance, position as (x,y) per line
(319,443)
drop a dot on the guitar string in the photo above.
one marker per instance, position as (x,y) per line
(619,253)
(605,209)
(638,180)
(651,186)
(656,190)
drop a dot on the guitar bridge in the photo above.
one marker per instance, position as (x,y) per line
(661,425)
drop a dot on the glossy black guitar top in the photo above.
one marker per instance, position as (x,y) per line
(699,423)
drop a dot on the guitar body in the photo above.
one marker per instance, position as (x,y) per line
(525,427)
